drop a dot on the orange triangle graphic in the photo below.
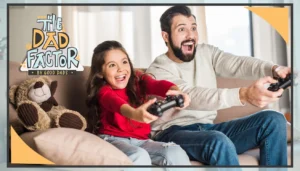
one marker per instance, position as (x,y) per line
(278,18)
(21,153)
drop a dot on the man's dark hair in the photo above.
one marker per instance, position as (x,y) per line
(167,16)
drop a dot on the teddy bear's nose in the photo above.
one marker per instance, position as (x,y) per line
(38,84)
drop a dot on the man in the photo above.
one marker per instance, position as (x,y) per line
(194,69)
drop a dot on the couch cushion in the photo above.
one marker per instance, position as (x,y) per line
(244,160)
(251,157)
(66,146)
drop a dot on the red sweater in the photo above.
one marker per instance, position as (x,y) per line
(111,100)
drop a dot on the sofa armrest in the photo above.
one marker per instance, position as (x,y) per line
(237,111)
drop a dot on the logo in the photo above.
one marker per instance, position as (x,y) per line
(50,53)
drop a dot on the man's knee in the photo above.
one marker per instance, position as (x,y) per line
(174,155)
(220,141)
(217,149)
(275,119)
(140,157)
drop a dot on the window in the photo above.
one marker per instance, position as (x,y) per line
(158,45)
(228,28)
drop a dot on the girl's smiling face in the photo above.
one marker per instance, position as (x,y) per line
(116,69)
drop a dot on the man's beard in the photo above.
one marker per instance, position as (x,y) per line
(178,51)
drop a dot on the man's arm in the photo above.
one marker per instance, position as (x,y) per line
(201,98)
(229,65)
(216,98)
(245,67)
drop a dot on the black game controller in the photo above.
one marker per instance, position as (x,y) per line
(160,106)
(282,83)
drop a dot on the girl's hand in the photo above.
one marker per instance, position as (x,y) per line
(142,115)
(186,97)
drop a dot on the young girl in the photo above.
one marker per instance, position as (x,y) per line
(118,94)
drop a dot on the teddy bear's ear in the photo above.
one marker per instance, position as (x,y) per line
(53,87)
(12,93)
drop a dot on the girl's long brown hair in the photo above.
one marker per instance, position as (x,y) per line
(94,83)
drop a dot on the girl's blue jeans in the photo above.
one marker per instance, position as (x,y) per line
(148,152)
(220,144)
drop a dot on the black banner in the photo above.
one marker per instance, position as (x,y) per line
(51,72)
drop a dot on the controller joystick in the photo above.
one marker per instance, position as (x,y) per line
(161,106)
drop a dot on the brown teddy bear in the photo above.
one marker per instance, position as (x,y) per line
(37,108)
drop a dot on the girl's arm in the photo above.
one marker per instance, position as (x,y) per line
(110,101)
(156,87)
(174,87)
(139,114)
(163,88)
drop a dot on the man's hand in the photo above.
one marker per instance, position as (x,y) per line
(280,71)
(257,95)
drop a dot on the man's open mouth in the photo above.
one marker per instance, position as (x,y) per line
(188,46)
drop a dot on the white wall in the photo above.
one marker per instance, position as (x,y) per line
(21,22)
